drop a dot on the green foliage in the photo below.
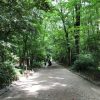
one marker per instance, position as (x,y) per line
(61,57)
(29,31)
(42,4)
(7,74)
(36,65)
(85,62)
(19,71)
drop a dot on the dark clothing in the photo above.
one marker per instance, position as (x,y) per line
(49,63)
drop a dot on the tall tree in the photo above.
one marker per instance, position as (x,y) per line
(77,26)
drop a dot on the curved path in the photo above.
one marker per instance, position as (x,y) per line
(52,84)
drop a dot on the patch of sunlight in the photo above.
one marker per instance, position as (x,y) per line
(36,75)
(22,83)
(98,68)
(28,83)
(36,88)
(59,84)
(8,98)
(96,90)
(13,97)
(55,2)
(56,77)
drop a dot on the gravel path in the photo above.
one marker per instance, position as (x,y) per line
(52,84)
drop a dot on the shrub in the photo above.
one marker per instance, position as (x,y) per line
(36,65)
(84,62)
(7,74)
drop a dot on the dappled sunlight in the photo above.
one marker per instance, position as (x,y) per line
(39,87)
(32,86)
(52,85)
(36,75)
(36,88)
(96,90)
(48,85)
(23,80)
(59,84)
(12,97)
(31,89)
(56,78)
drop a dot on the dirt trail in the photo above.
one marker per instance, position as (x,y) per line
(55,83)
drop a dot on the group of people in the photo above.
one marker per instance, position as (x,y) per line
(48,61)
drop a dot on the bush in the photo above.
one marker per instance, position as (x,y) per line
(7,74)
(36,65)
(84,62)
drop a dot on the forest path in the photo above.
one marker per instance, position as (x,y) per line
(52,84)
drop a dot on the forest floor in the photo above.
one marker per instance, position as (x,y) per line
(53,83)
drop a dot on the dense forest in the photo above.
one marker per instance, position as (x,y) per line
(66,30)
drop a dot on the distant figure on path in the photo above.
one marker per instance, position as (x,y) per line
(48,61)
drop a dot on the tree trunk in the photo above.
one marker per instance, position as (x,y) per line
(77,28)
(67,40)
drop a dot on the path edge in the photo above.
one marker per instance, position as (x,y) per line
(86,78)
(4,90)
